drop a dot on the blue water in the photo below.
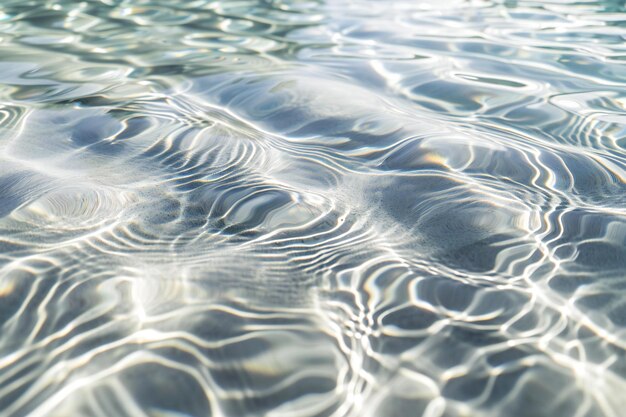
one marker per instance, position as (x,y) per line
(353,208)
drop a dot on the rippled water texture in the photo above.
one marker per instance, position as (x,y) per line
(312,208)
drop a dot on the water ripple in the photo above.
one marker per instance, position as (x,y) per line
(312,208)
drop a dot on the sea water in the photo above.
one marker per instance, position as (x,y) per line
(354,208)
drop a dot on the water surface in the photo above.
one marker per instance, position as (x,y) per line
(312,208)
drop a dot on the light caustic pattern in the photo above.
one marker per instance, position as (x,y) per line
(312,208)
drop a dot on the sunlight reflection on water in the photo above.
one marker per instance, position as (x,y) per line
(312,208)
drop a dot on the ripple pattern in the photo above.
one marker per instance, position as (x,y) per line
(325,208)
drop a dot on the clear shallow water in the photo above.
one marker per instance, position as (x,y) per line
(340,208)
